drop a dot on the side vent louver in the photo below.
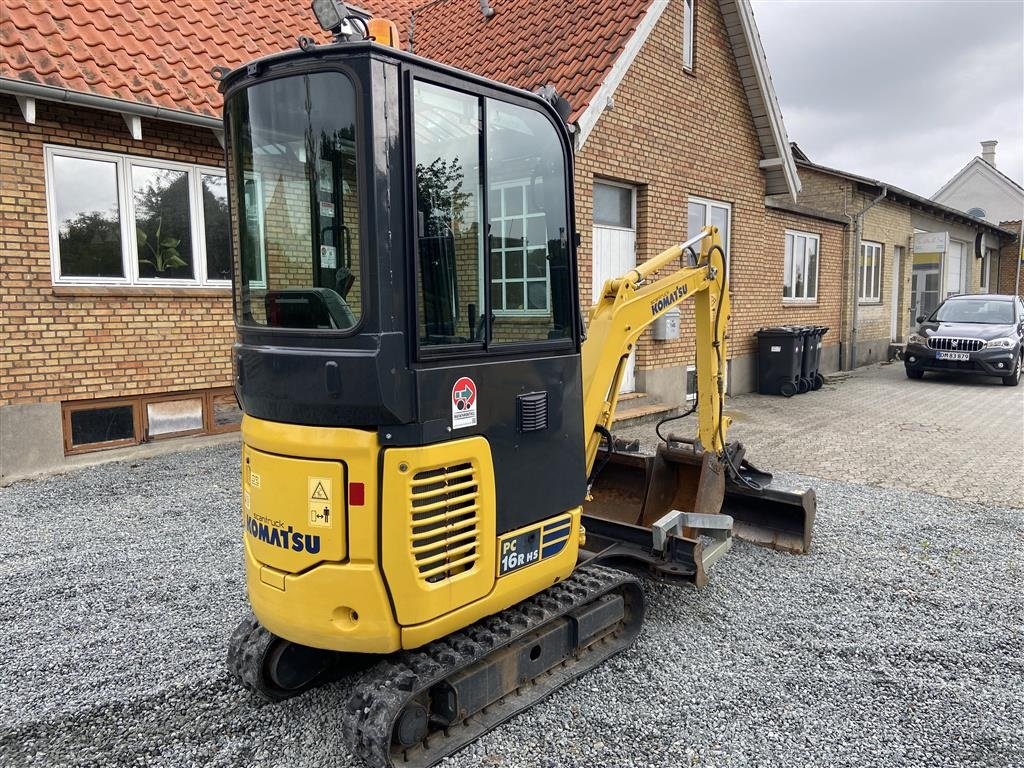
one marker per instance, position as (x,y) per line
(532,411)
(445,521)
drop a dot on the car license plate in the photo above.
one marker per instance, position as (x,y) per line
(953,355)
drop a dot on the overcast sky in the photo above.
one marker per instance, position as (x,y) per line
(899,90)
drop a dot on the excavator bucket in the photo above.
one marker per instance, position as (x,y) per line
(675,511)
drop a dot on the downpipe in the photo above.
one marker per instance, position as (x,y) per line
(856,273)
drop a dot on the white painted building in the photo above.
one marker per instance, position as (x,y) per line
(983,191)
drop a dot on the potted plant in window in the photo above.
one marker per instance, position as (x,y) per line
(162,251)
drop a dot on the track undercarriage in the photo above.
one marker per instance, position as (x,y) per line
(416,707)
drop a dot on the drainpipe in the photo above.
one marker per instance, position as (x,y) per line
(858,225)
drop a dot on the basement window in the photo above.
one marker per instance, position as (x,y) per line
(124,220)
(691,383)
(100,424)
(93,425)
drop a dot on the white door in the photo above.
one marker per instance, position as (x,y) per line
(615,247)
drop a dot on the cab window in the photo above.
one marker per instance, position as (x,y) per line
(493,257)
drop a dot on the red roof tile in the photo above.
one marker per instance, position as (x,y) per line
(161,53)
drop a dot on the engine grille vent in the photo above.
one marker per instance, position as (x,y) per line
(445,510)
(532,410)
(951,344)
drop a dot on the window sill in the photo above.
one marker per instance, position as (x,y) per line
(136,291)
(800,302)
(869,302)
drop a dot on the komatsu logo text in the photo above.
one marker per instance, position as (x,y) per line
(668,300)
(285,538)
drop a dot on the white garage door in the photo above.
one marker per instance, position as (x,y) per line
(615,246)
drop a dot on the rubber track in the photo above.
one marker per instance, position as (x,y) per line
(384,690)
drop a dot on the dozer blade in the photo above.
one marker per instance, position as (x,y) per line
(674,512)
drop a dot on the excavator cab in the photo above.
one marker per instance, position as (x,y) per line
(426,437)
(408,356)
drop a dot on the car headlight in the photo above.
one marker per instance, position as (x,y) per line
(1003,343)
(916,338)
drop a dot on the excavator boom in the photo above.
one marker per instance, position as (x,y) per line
(665,509)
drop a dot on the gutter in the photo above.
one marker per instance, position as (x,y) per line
(858,226)
(108,103)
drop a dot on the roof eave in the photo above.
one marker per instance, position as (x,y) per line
(107,103)
(893,192)
(752,40)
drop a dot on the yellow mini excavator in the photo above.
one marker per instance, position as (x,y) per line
(432,497)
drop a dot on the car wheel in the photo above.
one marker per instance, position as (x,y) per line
(1014,378)
(914,374)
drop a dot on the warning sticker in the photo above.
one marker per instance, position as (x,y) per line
(328,257)
(254,480)
(326,210)
(318,500)
(464,403)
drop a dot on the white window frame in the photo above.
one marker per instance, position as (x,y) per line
(869,290)
(525,280)
(805,299)
(691,396)
(689,33)
(126,211)
(708,204)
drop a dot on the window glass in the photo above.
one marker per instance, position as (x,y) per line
(696,219)
(531,286)
(688,34)
(800,247)
(720,219)
(812,268)
(292,150)
(613,206)
(88,217)
(216,226)
(253,232)
(702,213)
(163,222)
(871,271)
(787,269)
(448,202)
(168,417)
(225,410)
(102,425)
(800,266)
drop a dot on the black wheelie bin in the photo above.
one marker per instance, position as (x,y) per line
(779,355)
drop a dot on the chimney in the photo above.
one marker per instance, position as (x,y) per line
(988,152)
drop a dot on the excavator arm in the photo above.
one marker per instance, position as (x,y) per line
(629,304)
(665,509)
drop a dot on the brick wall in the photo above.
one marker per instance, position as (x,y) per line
(674,135)
(76,343)
(1008,256)
(887,223)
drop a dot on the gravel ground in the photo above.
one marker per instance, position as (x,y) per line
(899,641)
